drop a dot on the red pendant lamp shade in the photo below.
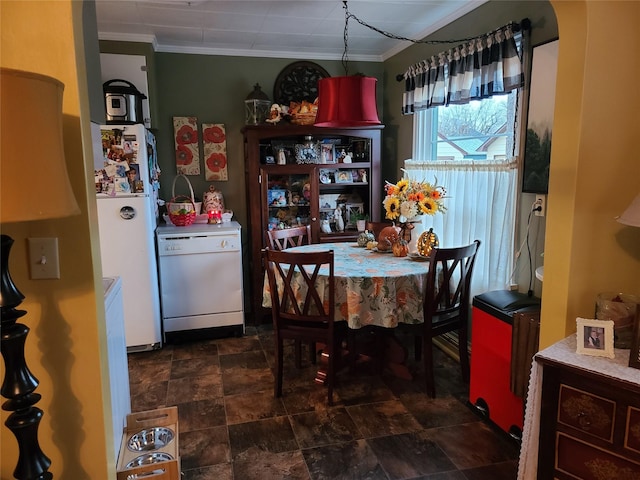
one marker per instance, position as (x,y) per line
(347,102)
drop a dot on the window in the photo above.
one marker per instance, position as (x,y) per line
(470,150)
(479,130)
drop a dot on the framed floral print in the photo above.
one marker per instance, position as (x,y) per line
(186,143)
(215,151)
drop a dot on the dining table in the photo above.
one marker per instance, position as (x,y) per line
(372,288)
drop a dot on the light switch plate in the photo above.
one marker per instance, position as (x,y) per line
(43,258)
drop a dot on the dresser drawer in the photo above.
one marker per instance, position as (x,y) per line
(632,431)
(586,412)
(582,460)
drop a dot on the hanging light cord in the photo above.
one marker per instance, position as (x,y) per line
(525,24)
(345,36)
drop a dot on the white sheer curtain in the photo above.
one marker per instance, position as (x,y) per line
(480,205)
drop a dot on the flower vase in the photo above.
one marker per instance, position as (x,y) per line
(412,228)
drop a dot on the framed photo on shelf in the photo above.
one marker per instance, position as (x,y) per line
(327,153)
(277,198)
(594,337)
(360,150)
(307,153)
(344,176)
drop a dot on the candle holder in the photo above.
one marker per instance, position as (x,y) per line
(214,217)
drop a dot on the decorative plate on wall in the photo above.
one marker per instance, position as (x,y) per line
(298,81)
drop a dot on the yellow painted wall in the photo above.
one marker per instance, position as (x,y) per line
(65,348)
(595,171)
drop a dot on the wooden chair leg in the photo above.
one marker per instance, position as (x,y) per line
(313,353)
(331,369)
(298,353)
(464,354)
(427,353)
(277,391)
(352,349)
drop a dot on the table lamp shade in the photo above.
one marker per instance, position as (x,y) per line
(631,216)
(34,184)
(348,101)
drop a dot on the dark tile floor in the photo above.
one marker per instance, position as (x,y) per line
(381,427)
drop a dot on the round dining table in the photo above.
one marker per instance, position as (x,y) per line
(372,288)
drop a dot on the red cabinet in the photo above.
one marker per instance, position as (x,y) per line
(491,357)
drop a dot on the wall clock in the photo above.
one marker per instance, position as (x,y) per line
(298,81)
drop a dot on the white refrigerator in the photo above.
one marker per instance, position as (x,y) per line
(126,176)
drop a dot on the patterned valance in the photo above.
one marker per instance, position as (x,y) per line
(483,66)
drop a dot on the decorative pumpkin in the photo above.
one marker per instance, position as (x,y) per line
(372,245)
(366,237)
(387,237)
(427,242)
(400,248)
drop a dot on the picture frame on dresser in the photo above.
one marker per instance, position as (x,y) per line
(594,337)
(634,354)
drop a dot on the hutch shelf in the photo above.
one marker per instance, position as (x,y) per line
(297,175)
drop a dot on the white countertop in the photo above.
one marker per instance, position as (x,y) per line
(214,228)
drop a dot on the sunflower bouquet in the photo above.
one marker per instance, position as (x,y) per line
(409,198)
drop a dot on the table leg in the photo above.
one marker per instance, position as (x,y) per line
(381,348)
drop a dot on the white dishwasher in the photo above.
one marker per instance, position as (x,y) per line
(200,269)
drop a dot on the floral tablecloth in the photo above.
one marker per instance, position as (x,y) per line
(372,288)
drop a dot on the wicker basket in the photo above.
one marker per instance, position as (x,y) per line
(175,205)
(188,205)
(303,118)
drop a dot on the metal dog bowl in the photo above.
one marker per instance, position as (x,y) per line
(150,439)
(149,458)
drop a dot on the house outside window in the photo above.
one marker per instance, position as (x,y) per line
(479,130)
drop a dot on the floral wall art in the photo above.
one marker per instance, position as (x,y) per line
(186,142)
(215,151)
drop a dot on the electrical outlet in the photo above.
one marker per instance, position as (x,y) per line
(43,258)
(542,203)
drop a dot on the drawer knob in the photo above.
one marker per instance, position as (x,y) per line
(586,413)
(583,419)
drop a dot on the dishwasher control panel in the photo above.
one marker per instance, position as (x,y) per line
(198,244)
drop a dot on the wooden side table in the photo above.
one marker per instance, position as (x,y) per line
(583,416)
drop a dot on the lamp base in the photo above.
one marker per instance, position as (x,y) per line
(19,383)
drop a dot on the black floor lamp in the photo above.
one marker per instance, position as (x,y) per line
(33,186)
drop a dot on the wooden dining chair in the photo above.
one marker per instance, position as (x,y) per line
(446,306)
(289,237)
(280,240)
(302,307)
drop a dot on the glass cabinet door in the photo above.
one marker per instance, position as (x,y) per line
(289,197)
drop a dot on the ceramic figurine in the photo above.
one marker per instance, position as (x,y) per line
(325,227)
(339,220)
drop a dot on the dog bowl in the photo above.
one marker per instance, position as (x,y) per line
(150,439)
(148,459)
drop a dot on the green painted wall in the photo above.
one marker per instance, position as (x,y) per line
(213,89)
